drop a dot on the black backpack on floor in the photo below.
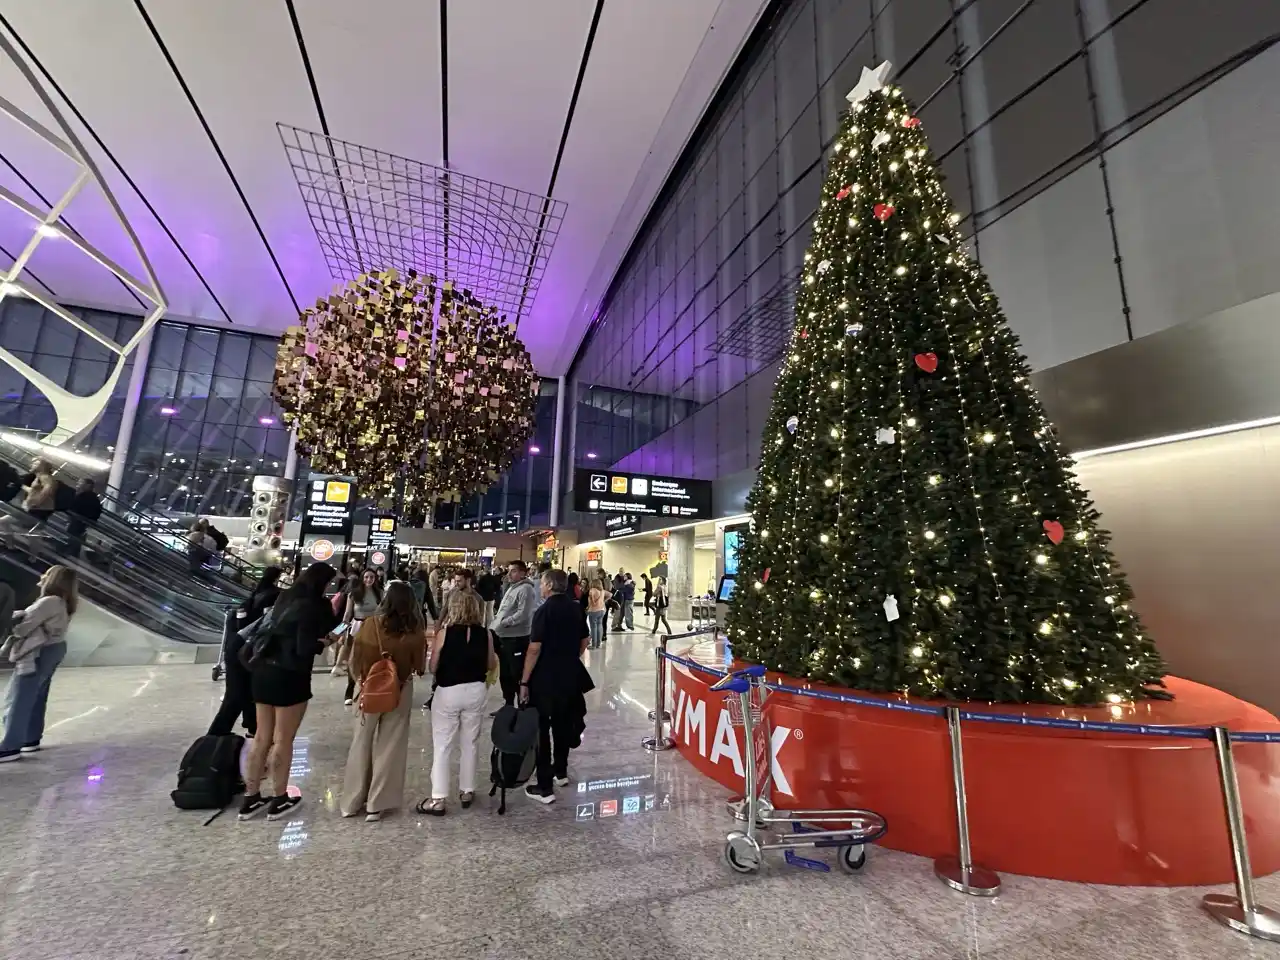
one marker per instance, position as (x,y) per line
(515,750)
(209,776)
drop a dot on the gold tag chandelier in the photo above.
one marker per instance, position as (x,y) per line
(382,386)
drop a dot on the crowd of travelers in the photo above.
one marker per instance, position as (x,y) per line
(524,632)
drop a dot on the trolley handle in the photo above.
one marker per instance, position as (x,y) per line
(740,681)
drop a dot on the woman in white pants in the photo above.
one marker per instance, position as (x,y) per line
(462,654)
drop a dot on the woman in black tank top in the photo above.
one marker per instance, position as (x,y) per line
(461,657)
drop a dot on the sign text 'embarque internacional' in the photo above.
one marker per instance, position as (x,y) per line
(607,491)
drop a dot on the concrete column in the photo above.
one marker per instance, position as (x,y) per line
(555,454)
(680,572)
(132,398)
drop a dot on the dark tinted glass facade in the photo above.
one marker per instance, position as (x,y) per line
(71,358)
(206,422)
(1022,101)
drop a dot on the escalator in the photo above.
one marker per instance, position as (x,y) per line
(156,598)
(147,540)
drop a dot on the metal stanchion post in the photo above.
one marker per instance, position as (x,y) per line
(659,740)
(662,686)
(961,873)
(1241,912)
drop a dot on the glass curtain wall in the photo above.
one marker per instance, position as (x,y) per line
(206,422)
(703,303)
(522,496)
(70,358)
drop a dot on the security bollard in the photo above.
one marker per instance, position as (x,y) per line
(961,873)
(1242,912)
(659,740)
(662,685)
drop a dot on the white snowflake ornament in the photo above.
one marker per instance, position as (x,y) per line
(824,266)
(879,140)
(886,435)
(891,608)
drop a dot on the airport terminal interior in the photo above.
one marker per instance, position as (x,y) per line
(639,479)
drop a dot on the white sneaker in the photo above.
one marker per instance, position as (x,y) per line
(372,817)
(347,702)
(31,748)
(562,781)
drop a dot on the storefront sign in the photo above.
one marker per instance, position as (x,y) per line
(624,524)
(643,494)
(595,555)
(321,549)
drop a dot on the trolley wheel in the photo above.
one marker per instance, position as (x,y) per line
(217,674)
(741,854)
(852,857)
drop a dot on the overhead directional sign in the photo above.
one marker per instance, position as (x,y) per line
(622,525)
(641,494)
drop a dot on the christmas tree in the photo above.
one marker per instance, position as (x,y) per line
(916,524)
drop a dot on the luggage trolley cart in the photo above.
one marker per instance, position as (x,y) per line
(846,830)
(702,612)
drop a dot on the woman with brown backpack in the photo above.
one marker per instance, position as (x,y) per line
(390,647)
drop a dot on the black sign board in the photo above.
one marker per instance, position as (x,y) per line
(331,503)
(381,544)
(622,525)
(607,491)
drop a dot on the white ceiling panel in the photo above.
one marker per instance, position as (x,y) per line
(377,66)
(512,66)
(106,61)
(509,88)
(240,58)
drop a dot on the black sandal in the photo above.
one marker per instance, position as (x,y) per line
(431,808)
(467,798)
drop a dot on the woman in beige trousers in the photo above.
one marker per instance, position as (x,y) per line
(374,780)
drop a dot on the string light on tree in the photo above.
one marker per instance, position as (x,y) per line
(905,373)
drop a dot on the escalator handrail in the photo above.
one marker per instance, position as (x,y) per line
(19,458)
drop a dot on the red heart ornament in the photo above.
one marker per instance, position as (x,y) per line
(764,577)
(883,211)
(928,362)
(911,122)
(1053,530)
(844,192)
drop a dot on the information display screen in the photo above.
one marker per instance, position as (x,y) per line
(381,544)
(732,544)
(330,506)
(643,494)
(727,585)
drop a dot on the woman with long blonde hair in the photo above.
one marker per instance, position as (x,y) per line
(462,655)
(36,647)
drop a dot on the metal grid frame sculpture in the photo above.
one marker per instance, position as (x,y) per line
(763,330)
(373,210)
(416,389)
(76,414)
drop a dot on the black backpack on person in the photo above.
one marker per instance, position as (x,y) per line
(515,750)
(209,775)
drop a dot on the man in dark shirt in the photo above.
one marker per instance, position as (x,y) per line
(85,508)
(554,682)
(488,586)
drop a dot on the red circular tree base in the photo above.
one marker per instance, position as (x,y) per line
(1068,805)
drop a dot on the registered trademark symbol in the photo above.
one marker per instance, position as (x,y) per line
(798,734)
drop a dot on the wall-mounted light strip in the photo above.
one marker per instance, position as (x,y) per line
(1178,437)
(55,453)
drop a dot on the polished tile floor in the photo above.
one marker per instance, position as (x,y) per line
(96,863)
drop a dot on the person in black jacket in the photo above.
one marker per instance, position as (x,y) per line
(85,508)
(237,698)
(281,684)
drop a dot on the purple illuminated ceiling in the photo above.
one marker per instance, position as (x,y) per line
(218,210)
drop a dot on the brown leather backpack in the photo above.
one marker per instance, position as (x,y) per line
(380,692)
